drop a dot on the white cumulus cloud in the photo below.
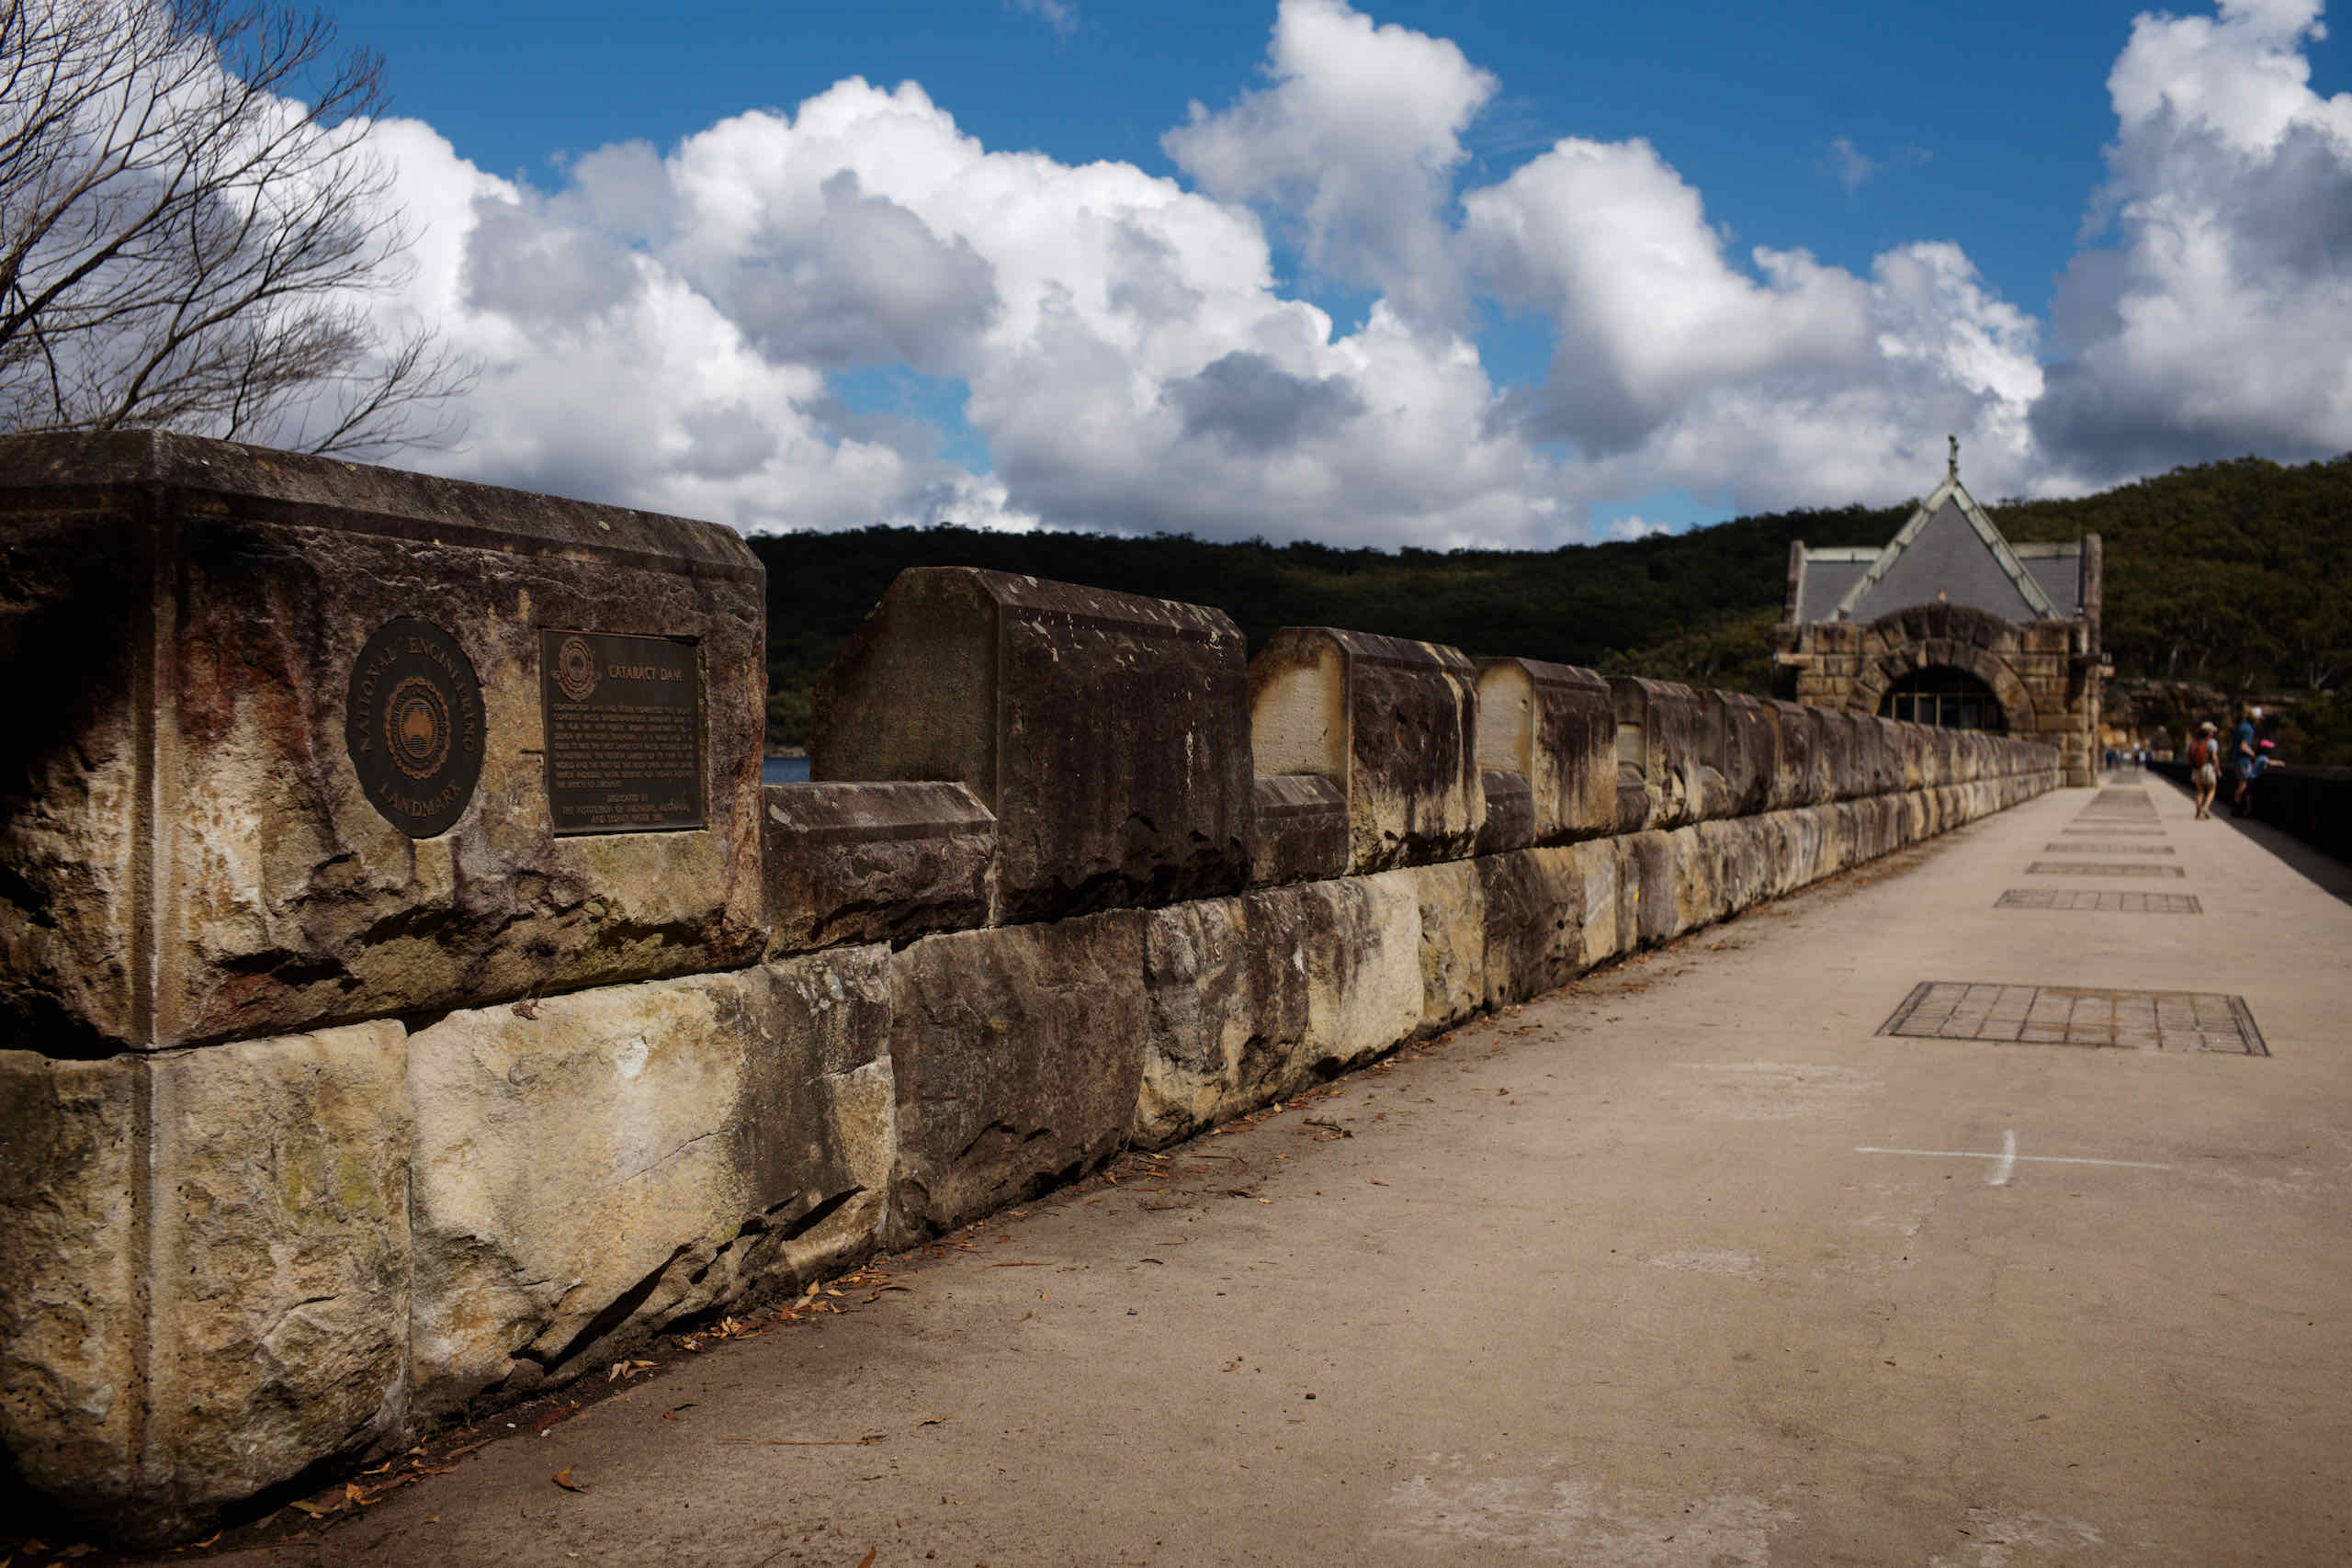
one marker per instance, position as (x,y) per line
(681,329)
(2217,319)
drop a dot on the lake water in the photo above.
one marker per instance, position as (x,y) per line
(783,770)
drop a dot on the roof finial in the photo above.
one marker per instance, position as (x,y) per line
(1952,471)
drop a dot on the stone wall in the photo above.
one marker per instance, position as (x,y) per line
(323,1116)
(2045,673)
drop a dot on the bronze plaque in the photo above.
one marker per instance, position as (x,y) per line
(414,726)
(624,724)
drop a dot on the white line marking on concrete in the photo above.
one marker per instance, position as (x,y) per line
(2000,1177)
(1979,1154)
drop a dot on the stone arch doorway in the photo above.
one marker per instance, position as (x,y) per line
(1945,697)
(1943,638)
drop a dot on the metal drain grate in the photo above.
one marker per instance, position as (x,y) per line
(2077,1015)
(2098,868)
(2095,847)
(2122,829)
(2092,898)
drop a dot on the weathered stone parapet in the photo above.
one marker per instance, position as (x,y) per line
(1393,722)
(1099,885)
(1555,726)
(243,635)
(856,862)
(1108,733)
(395,1226)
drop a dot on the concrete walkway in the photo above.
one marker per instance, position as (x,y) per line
(1687,1265)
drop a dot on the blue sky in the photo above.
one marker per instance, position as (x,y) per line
(1532,233)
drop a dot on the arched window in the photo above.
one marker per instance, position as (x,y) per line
(1941,695)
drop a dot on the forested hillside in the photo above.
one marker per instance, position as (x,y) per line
(2237,573)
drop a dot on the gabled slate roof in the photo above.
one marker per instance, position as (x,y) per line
(1948,549)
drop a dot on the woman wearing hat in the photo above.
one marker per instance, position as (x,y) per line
(2204,766)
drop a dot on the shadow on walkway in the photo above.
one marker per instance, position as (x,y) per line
(2323,871)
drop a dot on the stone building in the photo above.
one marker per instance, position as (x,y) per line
(1950,624)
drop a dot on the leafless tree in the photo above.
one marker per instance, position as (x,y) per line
(191,225)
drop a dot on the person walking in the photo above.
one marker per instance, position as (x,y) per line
(2244,761)
(2204,771)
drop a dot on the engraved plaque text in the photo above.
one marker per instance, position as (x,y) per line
(624,730)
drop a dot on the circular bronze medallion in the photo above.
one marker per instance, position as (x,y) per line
(576,669)
(415,726)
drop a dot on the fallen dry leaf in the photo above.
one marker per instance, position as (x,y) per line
(867,1561)
(563,1478)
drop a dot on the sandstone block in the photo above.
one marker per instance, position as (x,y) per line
(1450,907)
(1535,904)
(1018,1054)
(1802,778)
(1509,813)
(296,613)
(1917,742)
(1788,851)
(1553,725)
(592,1166)
(1827,832)
(1849,762)
(1660,738)
(1393,722)
(71,1275)
(1651,856)
(1747,758)
(865,863)
(1367,996)
(1735,855)
(280,1281)
(1700,899)
(1884,741)
(1609,918)
(1109,733)
(206,1271)
(1251,999)
(1225,1010)
(1301,830)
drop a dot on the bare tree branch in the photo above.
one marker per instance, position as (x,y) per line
(191,226)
